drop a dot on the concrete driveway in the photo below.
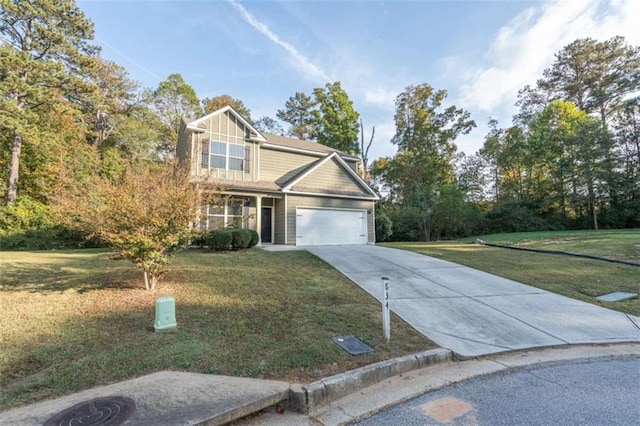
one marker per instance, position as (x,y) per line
(471,312)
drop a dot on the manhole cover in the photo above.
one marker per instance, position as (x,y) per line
(111,410)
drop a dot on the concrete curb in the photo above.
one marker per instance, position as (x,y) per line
(307,398)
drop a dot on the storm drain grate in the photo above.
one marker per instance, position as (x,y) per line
(107,411)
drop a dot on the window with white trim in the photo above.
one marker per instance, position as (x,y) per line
(224,155)
(222,215)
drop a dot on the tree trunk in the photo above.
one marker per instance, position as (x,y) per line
(151,280)
(14,168)
(592,198)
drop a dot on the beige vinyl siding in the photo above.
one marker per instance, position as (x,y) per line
(294,201)
(279,220)
(280,166)
(330,176)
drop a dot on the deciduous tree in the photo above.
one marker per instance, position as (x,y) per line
(145,212)
(213,104)
(335,121)
(425,135)
(172,100)
(415,178)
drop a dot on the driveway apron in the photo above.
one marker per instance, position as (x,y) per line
(472,312)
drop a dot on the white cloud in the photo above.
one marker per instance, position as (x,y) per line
(379,96)
(301,62)
(525,47)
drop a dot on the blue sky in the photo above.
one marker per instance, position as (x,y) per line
(262,52)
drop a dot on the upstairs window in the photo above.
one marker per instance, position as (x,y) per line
(223,155)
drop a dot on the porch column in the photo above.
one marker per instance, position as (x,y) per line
(259,218)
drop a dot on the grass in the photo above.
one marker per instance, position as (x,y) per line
(78,319)
(622,244)
(580,279)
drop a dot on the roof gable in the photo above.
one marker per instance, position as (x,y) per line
(255,135)
(330,174)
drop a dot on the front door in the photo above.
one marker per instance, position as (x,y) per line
(266,228)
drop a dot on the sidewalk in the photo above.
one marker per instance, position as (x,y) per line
(174,398)
(166,398)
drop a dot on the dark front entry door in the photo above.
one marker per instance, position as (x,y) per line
(265,231)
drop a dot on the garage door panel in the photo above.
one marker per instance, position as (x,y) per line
(324,226)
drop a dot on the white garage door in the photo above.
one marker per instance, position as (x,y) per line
(321,227)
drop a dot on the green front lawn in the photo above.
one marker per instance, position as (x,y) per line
(78,319)
(622,244)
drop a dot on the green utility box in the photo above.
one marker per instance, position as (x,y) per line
(165,314)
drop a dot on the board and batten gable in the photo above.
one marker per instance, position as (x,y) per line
(223,127)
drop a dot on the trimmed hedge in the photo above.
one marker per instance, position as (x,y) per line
(219,240)
(255,238)
(231,239)
(241,238)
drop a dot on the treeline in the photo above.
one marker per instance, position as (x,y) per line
(570,159)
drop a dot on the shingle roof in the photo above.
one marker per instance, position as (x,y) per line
(257,186)
(294,143)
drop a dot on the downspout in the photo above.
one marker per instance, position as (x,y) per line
(259,218)
(286,221)
(373,213)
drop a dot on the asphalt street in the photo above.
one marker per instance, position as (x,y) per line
(590,392)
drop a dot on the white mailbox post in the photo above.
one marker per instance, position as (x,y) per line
(386,317)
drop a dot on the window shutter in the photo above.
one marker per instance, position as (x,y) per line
(247,159)
(204,163)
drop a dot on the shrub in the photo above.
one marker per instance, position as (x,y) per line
(55,237)
(255,238)
(384,227)
(408,224)
(25,214)
(515,216)
(29,225)
(200,239)
(240,239)
(219,240)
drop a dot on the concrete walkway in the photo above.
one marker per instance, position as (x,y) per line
(471,312)
(165,398)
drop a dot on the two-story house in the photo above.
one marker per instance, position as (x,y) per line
(290,191)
